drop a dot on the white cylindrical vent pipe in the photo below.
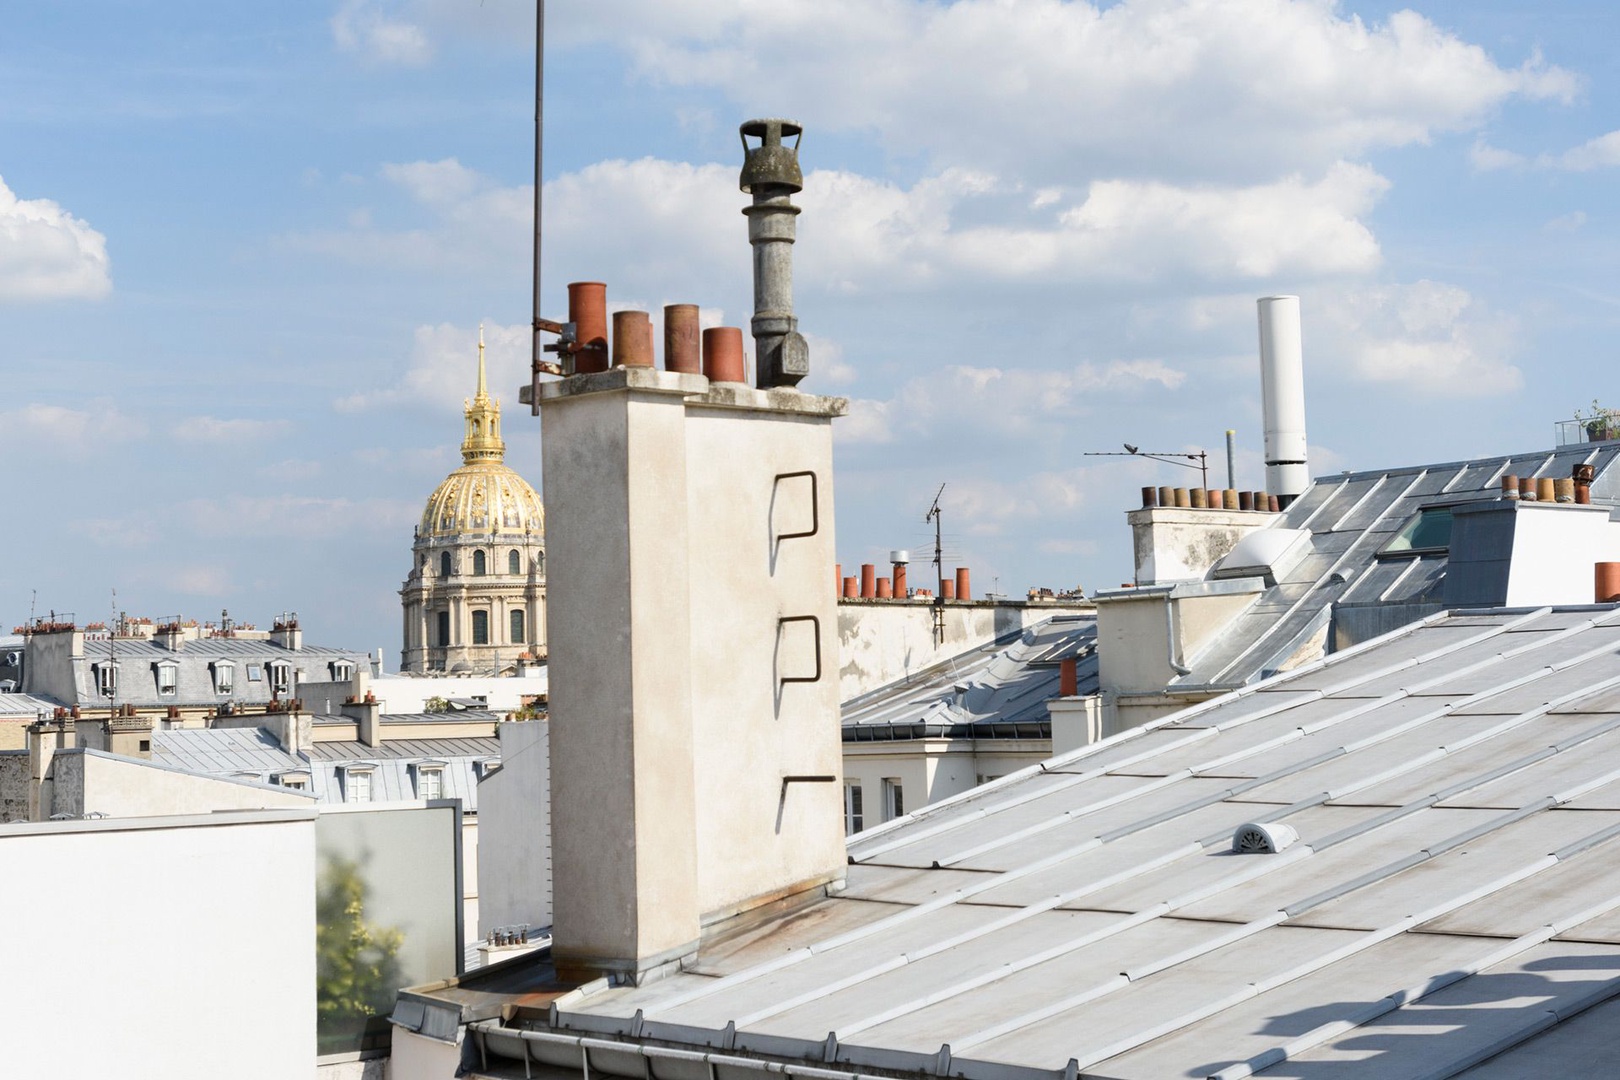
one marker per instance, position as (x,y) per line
(1282,396)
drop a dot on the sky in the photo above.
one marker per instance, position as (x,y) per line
(245,251)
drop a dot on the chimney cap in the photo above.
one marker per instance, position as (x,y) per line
(900,557)
(771,164)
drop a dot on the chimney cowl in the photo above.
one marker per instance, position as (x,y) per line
(771,163)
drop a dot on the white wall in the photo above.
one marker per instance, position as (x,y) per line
(883,641)
(514,815)
(408,694)
(160,948)
(124,787)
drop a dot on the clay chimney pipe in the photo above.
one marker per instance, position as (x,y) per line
(1069,677)
(1606,582)
(900,580)
(1545,491)
(963,592)
(1199,498)
(852,588)
(682,351)
(587,310)
(1510,487)
(1527,489)
(1167,496)
(1245,500)
(885,589)
(1150,497)
(632,339)
(947,589)
(723,355)
(869,580)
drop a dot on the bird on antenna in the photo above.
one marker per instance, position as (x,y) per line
(1129,449)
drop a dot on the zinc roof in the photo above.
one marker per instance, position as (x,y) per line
(1349,517)
(1455,791)
(996,690)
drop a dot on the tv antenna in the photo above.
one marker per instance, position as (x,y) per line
(1168,457)
(934,515)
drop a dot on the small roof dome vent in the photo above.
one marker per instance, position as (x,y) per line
(1263,838)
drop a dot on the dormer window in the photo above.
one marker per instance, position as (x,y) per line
(429,780)
(342,671)
(107,678)
(357,783)
(280,677)
(224,677)
(255,672)
(297,780)
(168,679)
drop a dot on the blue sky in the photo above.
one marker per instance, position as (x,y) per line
(244,251)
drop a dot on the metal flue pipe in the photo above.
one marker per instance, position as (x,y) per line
(1282,397)
(771,174)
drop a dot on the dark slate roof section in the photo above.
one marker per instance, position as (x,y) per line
(1444,810)
(194,660)
(1005,688)
(1349,518)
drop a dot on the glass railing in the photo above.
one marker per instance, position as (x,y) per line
(1599,429)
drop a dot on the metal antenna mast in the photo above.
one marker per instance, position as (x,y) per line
(537,349)
(934,515)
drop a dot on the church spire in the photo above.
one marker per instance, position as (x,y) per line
(483,440)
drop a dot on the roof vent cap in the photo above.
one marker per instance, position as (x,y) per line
(1262,838)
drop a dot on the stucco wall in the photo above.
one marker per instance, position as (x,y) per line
(178,948)
(88,782)
(884,641)
(514,819)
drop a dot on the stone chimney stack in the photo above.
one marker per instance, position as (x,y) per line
(695,755)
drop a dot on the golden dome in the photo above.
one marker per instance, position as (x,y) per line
(484,496)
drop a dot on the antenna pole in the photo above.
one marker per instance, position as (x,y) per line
(934,514)
(539,142)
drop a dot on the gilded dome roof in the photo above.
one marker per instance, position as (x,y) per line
(484,496)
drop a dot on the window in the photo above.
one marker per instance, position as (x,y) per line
(480,566)
(1429,531)
(280,677)
(480,628)
(146,746)
(854,819)
(342,671)
(894,804)
(295,781)
(517,628)
(168,679)
(254,673)
(444,564)
(429,783)
(107,679)
(357,785)
(224,676)
(444,629)
(514,562)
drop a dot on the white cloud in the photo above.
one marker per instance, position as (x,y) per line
(1258,86)
(1429,337)
(1599,153)
(642,224)
(48,254)
(367,28)
(442,370)
(1566,223)
(1487,158)
(212,429)
(73,432)
(1011,401)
